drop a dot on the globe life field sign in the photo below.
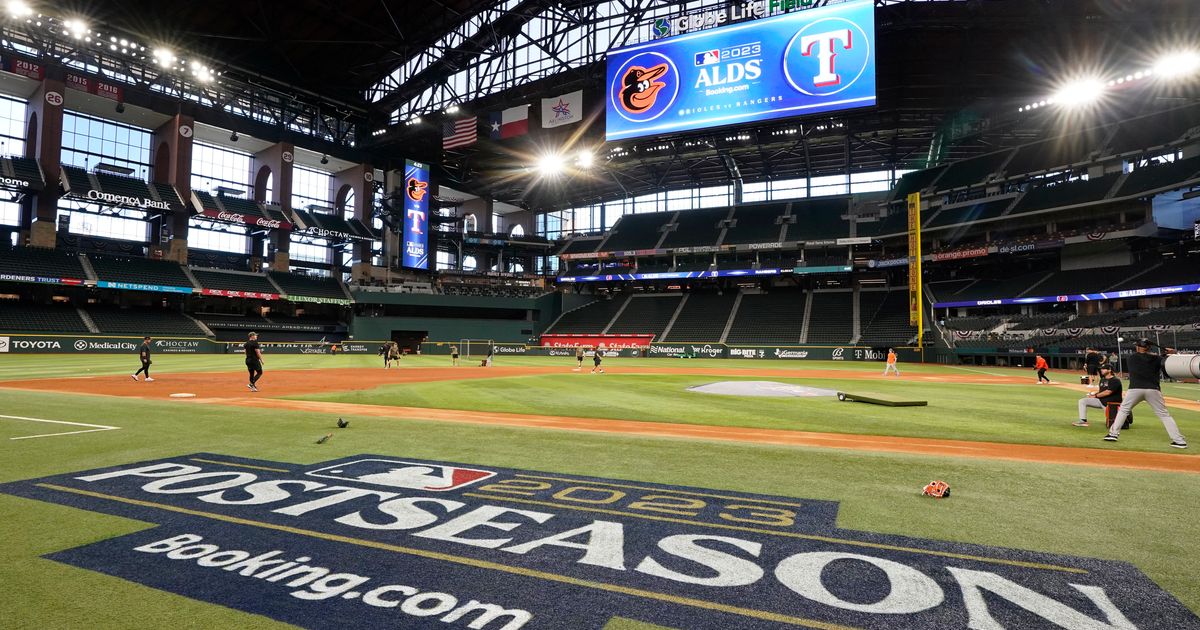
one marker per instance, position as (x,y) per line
(799,63)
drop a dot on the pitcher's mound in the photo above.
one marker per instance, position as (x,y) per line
(761,388)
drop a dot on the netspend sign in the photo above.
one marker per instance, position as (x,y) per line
(799,63)
(376,541)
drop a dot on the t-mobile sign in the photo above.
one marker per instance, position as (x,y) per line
(416,215)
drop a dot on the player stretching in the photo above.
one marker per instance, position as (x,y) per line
(891,363)
(254,361)
(1144,372)
(144,354)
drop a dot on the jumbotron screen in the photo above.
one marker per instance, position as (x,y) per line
(806,62)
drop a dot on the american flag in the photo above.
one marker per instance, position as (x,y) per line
(459,133)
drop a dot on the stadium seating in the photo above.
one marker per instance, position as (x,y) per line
(755,224)
(579,246)
(770,318)
(999,288)
(648,314)
(1147,178)
(591,318)
(1036,321)
(972,171)
(696,228)
(637,231)
(943,290)
(1171,272)
(166,192)
(122,185)
(703,317)
(486,290)
(972,212)
(26,168)
(143,321)
(1081,281)
(18,317)
(1056,153)
(310,286)
(1157,129)
(227,281)
(1097,320)
(884,318)
(1180,316)
(831,320)
(1065,194)
(819,219)
(139,270)
(40,262)
(77,179)
(916,181)
(973,323)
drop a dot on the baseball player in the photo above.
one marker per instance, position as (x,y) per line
(1091,365)
(454,356)
(1109,393)
(1041,366)
(394,354)
(254,362)
(578,358)
(144,355)
(597,357)
(891,363)
(1145,370)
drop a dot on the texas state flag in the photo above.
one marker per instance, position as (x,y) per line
(511,122)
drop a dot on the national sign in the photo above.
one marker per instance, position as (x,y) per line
(378,541)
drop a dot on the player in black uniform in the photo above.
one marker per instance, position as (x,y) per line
(597,357)
(1109,393)
(1091,365)
(144,355)
(254,362)
(1145,369)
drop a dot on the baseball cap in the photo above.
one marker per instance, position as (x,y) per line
(1142,343)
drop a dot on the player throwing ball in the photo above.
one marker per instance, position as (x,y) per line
(254,360)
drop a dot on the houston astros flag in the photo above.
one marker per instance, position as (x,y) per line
(564,109)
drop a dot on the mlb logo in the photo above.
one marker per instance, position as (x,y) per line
(708,57)
(401,474)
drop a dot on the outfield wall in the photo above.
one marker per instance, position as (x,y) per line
(703,351)
(108,344)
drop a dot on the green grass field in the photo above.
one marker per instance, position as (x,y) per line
(1146,518)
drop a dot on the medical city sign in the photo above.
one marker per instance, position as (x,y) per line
(376,541)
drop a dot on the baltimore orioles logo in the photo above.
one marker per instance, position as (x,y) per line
(641,89)
(416,189)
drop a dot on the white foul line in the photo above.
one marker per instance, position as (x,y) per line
(94,427)
(977,371)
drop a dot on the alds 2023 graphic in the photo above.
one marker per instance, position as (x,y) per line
(391,542)
(416,215)
(799,63)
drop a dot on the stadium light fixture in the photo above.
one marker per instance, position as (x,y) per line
(1177,64)
(19,9)
(550,165)
(585,159)
(75,27)
(1078,93)
(164,57)
(453,109)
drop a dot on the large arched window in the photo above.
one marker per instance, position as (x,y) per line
(517,230)
(469,263)
(470,223)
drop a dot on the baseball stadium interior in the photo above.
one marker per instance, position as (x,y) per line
(992,185)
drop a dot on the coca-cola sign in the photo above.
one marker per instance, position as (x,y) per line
(237,217)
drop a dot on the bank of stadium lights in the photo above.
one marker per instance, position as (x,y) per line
(585,159)
(742,137)
(550,165)
(19,9)
(415,120)
(1082,92)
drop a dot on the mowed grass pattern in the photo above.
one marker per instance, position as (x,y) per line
(1053,508)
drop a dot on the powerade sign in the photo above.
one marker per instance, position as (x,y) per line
(378,541)
(813,61)
(1077,297)
(416,215)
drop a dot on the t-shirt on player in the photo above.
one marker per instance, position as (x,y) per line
(144,352)
(1092,359)
(251,351)
(1144,370)
(1113,385)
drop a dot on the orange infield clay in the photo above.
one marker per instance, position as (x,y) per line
(228,388)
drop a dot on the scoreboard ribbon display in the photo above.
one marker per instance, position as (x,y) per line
(416,215)
(807,62)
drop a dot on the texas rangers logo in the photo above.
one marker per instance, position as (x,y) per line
(826,56)
(645,87)
(416,189)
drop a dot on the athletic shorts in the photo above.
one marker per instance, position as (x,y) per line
(1092,370)
(454,356)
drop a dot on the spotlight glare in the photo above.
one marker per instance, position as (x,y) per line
(585,159)
(550,165)
(16,8)
(1080,92)
(1178,64)
(453,109)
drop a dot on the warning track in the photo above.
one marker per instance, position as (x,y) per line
(224,388)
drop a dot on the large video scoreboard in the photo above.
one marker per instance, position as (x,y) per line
(806,62)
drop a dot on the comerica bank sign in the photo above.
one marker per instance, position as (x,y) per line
(377,541)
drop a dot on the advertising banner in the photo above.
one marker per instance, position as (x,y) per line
(16,277)
(82,344)
(608,341)
(245,219)
(311,347)
(959,254)
(317,300)
(254,295)
(798,63)
(416,215)
(1077,297)
(675,275)
(137,286)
